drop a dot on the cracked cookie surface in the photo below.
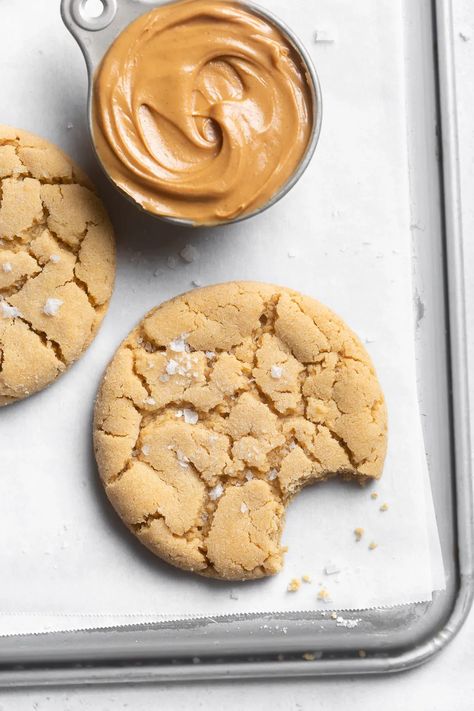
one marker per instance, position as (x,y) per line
(57,263)
(218,408)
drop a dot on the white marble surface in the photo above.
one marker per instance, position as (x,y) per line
(444,683)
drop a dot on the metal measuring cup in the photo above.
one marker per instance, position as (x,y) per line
(95,35)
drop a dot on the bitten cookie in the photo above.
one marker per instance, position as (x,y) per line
(218,408)
(57,263)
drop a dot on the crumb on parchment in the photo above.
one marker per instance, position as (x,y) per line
(306,578)
(374,495)
(358,533)
(384,507)
(373,546)
(324,595)
(294,585)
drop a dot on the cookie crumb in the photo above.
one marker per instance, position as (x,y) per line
(276,372)
(358,533)
(334,615)
(294,585)
(10,311)
(306,579)
(52,306)
(331,569)
(243,508)
(309,656)
(362,653)
(7,267)
(190,416)
(374,495)
(189,254)
(55,258)
(216,492)
(324,595)
(384,507)
(373,546)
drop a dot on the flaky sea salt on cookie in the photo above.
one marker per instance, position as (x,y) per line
(200,456)
(57,263)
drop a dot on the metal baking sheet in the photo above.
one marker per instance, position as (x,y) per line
(392,639)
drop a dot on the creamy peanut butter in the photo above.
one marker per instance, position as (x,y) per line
(202,110)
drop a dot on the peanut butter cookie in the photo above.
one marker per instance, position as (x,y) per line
(218,408)
(57,263)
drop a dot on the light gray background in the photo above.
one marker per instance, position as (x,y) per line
(446,682)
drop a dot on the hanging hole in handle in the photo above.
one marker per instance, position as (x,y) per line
(93,14)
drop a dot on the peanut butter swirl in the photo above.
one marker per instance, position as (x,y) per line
(202,110)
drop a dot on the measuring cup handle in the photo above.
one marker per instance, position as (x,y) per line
(75,15)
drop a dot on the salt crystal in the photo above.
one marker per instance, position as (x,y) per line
(465,34)
(213,438)
(178,345)
(216,492)
(55,258)
(291,254)
(150,364)
(272,475)
(323,37)
(243,508)
(249,475)
(276,372)
(331,569)
(164,378)
(146,449)
(210,355)
(342,622)
(52,306)
(233,595)
(7,267)
(178,413)
(9,311)
(69,125)
(172,366)
(292,444)
(189,254)
(190,416)
(196,282)
(183,460)
(158,272)
(149,401)
(172,262)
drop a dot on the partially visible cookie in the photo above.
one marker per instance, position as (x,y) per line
(57,263)
(218,408)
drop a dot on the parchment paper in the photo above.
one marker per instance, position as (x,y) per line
(65,560)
